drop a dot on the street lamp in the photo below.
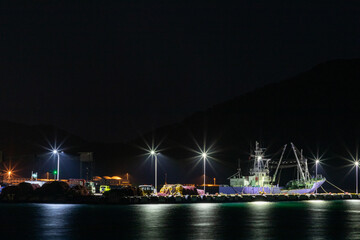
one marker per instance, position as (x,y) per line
(316,167)
(57,153)
(204,155)
(153,153)
(356,168)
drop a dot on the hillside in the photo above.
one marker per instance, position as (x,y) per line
(318,110)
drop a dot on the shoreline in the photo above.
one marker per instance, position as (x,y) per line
(130,200)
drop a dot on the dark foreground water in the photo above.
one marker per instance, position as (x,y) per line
(283,220)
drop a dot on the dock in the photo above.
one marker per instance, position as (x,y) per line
(228,198)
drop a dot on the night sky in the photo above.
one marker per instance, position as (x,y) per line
(109,70)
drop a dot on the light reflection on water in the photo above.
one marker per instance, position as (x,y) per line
(318,212)
(257,220)
(152,219)
(54,219)
(353,220)
(204,221)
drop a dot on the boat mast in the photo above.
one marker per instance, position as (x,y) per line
(304,160)
(298,162)
(257,157)
(238,173)
(277,168)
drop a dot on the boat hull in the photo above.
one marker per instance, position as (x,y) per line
(249,190)
(304,190)
(268,190)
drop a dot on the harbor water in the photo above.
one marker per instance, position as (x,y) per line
(313,219)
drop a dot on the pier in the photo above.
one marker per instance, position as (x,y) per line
(228,198)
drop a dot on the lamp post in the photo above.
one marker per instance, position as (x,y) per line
(316,167)
(153,153)
(57,153)
(356,168)
(204,155)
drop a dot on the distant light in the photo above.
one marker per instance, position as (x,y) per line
(259,158)
(356,163)
(317,161)
(55,172)
(204,155)
(152,152)
(55,151)
(9,172)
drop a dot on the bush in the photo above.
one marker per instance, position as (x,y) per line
(78,190)
(20,192)
(25,189)
(53,189)
(9,193)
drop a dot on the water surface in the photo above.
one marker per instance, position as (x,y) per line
(259,220)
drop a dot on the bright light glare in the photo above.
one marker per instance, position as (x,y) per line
(205,206)
(259,158)
(317,201)
(317,161)
(9,170)
(152,152)
(55,151)
(204,155)
(260,203)
(356,163)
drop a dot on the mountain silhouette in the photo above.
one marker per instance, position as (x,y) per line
(318,110)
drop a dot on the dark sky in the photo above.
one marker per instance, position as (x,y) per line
(106,70)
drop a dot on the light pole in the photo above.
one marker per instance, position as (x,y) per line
(56,152)
(316,167)
(204,155)
(153,153)
(356,168)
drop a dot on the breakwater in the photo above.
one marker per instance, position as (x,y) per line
(228,198)
(190,199)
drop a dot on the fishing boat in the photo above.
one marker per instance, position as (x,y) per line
(259,180)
